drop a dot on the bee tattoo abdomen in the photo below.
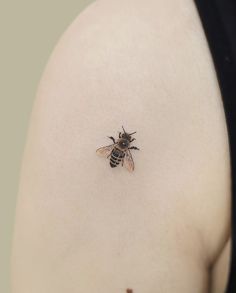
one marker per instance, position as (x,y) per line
(116,157)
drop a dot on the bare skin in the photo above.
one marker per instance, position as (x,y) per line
(82,226)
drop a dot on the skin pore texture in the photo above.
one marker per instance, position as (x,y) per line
(82,226)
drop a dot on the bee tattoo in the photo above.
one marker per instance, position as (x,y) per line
(119,151)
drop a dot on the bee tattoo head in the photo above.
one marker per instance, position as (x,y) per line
(119,151)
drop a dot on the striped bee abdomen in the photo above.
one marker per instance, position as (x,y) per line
(116,157)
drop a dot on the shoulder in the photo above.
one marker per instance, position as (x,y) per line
(144,65)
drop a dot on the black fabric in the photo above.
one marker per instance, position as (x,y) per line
(219,22)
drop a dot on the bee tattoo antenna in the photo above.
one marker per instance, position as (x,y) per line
(126,132)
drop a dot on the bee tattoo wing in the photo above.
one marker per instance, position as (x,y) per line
(128,161)
(106,150)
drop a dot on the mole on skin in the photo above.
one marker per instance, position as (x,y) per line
(129,291)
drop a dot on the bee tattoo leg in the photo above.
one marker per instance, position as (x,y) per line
(112,138)
(122,162)
(132,139)
(109,155)
(133,148)
(119,134)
